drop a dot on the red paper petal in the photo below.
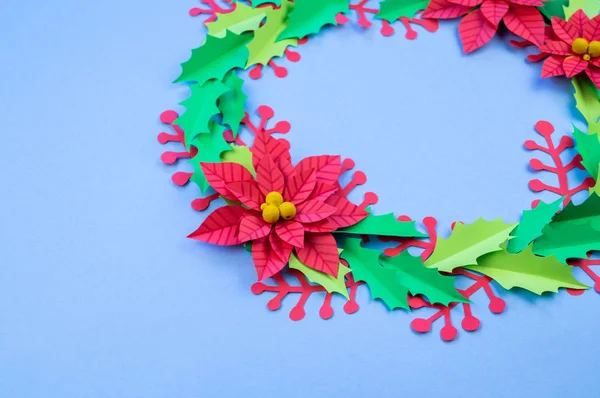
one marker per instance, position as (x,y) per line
(347,213)
(442,9)
(319,226)
(467,3)
(494,10)
(553,67)
(266,260)
(526,22)
(594,75)
(574,65)
(595,62)
(322,191)
(475,31)
(531,3)
(300,185)
(578,20)
(247,192)
(291,232)
(320,252)
(268,176)
(564,30)
(252,227)
(328,168)
(221,226)
(313,211)
(556,47)
(280,247)
(219,175)
(264,144)
(591,30)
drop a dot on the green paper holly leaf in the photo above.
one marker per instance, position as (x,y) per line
(596,188)
(382,282)
(265,46)
(554,8)
(587,101)
(241,155)
(256,3)
(590,7)
(231,104)
(468,242)
(210,147)
(216,57)
(200,106)
(331,284)
(527,271)
(384,225)
(242,19)
(391,10)
(309,16)
(428,282)
(587,212)
(588,146)
(571,240)
(532,223)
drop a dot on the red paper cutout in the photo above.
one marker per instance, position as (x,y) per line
(266,260)
(253,227)
(300,186)
(313,211)
(291,232)
(221,226)
(475,31)
(328,168)
(494,10)
(321,253)
(217,173)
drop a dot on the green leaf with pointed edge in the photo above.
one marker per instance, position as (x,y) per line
(596,188)
(588,146)
(231,104)
(241,155)
(331,284)
(200,106)
(256,3)
(554,8)
(587,101)
(586,213)
(309,16)
(391,10)
(532,223)
(210,147)
(418,279)
(215,57)
(242,19)
(384,225)
(265,46)
(527,271)
(590,7)
(467,242)
(382,282)
(569,241)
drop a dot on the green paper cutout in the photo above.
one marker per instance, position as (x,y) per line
(588,146)
(256,3)
(240,155)
(532,223)
(242,19)
(309,16)
(200,106)
(216,57)
(554,8)
(391,10)
(587,101)
(590,7)
(587,212)
(527,271)
(596,188)
(412,274)
(210,146)
(569,241)
(231,104)
(382,282)
(384,225)
(331,284)
(265,46)
(468,242)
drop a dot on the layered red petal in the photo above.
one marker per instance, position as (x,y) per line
(300,185)
(328,168)
(320,252)
(319,226)
(574,65)
(556,47)
(291,232)
(530,3)
(526,22)
(264,144)
(219,175)
(594,75)
(553,66)
(322,191)
(564,30)
(578,20)
(280,247)
(346,214)
(252,227)
(221,226)
(467,3)
(475,31)
(494,10)
(268,176)
(591,30)
(313,211)
(443,9)
(266,261)
(247,192)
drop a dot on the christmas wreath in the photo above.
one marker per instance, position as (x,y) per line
(297,218)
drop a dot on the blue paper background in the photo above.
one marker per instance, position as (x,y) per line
(101,295)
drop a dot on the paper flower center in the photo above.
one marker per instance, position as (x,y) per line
(275,208)
(587,50)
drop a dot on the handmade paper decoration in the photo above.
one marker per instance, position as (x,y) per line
(296,220)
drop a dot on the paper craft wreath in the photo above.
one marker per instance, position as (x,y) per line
(299,216)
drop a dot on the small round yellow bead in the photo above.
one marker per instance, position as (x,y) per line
(274,198)
(586,57)
(262,207)
(270,214)
(287,210)
(594,48)
(580,46)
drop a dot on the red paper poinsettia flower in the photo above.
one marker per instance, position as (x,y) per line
(521,17)
(284,209)
(577,48)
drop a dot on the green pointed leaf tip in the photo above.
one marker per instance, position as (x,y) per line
(383,225)
(588,146)
(216,57)
(468,242)
(328,282)
(586,212)
(587,101)
(210,149)
(527,271)
(239,154)
(382,282)
(554,8)
(531,225)
(428,282)
(570,240)
(265,46)
(232,102)
(391,10)
(309,16)
(242,19)
(256,3)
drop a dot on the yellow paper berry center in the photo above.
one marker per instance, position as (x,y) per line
(275,208)
(594,48)
(274,198)
(287,210)
(270,213)
(580,46)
